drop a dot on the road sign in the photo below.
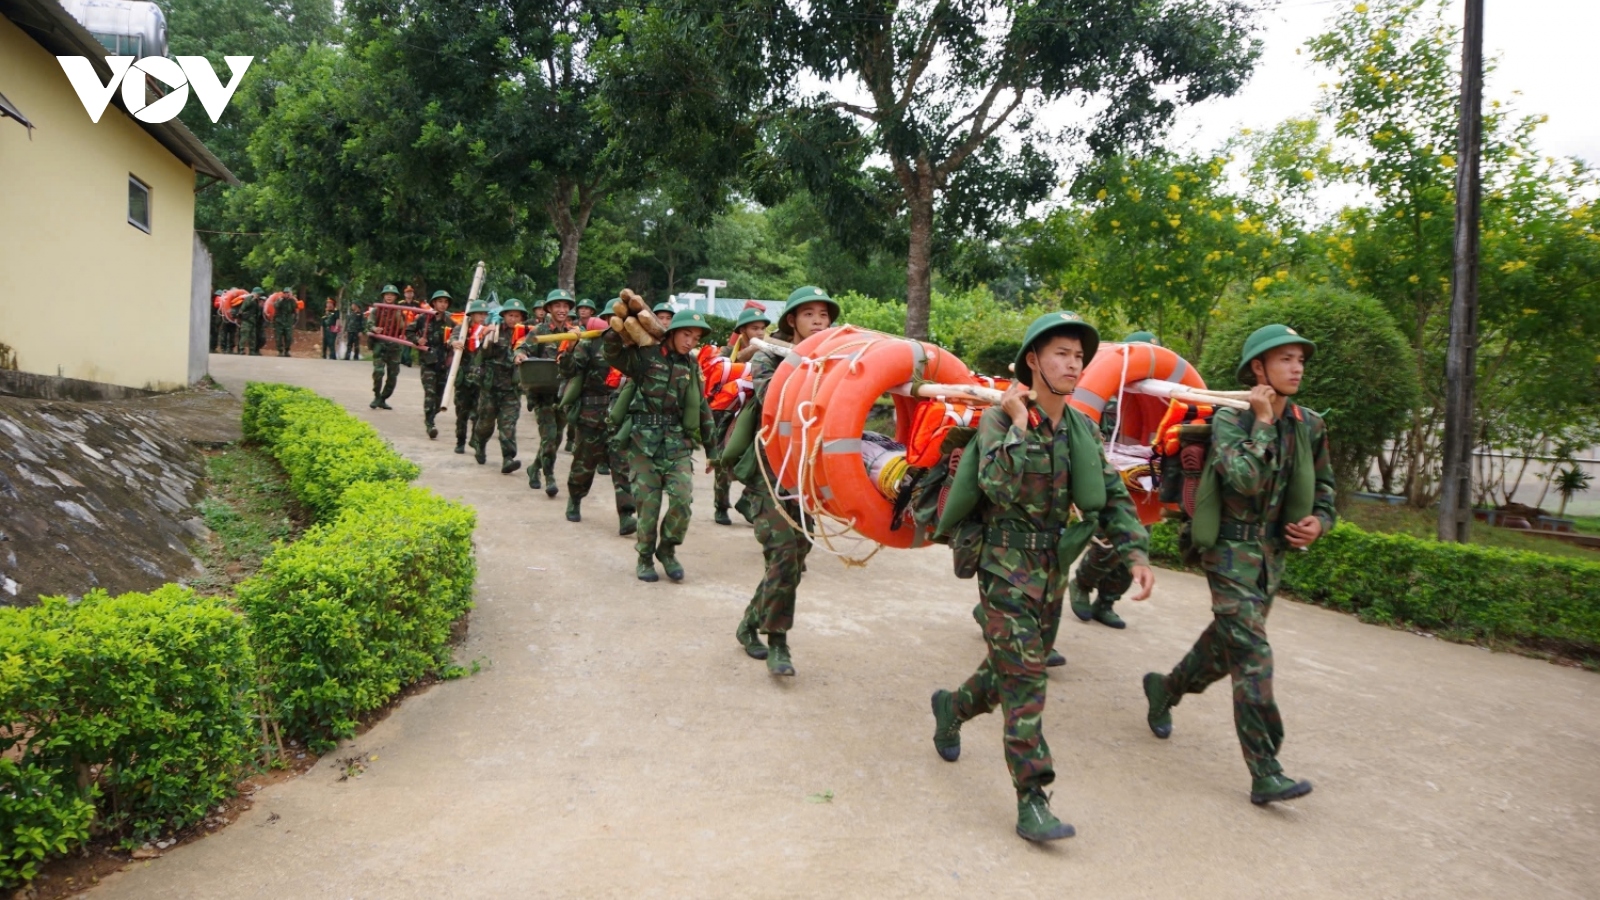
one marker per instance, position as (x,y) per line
(711,283)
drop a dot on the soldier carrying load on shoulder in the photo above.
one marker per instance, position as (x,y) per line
(466,389)
(1267,486)
(385,355)
(752,323)
(667,418)
(433,355)
(547,409)
(585,364)
(1037,461)
(1103,568)
(499,400)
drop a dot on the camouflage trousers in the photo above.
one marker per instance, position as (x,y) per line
(229,337)
(247,339)
(1019,631)
(433,391)
(657,482)
(283,338)
(591,449)
(466,401)
(385,370)
(723,486)
(498,409)
(1235,645)
(784,549)
(548,414)
(1103,569)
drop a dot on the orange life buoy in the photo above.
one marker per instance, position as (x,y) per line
(1114,368)
(819,408)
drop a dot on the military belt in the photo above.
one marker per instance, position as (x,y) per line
(648,419)
(1249,532)
(997,536)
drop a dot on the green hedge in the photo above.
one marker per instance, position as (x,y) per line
(322,448)
(139,704)
(360,606)
(1465,591)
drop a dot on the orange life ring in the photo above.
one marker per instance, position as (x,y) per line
(831,381)
(1141,414)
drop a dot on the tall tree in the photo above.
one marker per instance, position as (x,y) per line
(938,87)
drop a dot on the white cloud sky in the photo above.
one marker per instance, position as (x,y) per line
(1545,49)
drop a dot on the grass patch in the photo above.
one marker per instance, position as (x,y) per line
(1586,524)
(1400,519)
(249,508)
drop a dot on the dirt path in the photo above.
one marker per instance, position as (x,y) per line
(620,744)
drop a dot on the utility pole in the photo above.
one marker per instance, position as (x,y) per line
(1455,496)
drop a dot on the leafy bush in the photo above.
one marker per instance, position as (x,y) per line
(360,606)
(1363,375)
(323,449)
(720,331)
(1463,590)
(41,815)
(145,699)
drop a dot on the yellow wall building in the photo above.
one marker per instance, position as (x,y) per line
(85,292)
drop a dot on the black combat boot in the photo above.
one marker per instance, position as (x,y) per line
(946,727)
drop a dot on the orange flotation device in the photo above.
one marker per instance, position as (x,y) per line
(816,409)
(1142,418)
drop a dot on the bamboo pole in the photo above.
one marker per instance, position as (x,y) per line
(461,342)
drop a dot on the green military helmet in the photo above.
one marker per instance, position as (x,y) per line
(664,306)
(558,294)
(688,319)
(258,289)
(586,303)
(538,304)
(811,294)
(477,306)
(751,316)
(389,289)
(440,294)
(513,305)
(1269,337)
(1141,337)
(1047,325)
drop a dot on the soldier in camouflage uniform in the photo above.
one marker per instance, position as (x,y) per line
(330,333)
(581,314)
(752,323)
(547,409)
(385,356)
(783,547)
(586,362)
(662,433)
(1025,451)
(1102,568)
(433,356)
(1253,458)
(248,312)
(466,390)
(355,322)
(284,311)
(499,400)
(664,312)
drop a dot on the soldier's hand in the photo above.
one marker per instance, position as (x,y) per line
(1145,578)
(1015,403)
(1304,532)
(1261,399)
(520,358)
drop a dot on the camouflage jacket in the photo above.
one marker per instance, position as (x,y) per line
(430,329)
(495,363)
(1252,463)
(248,310)
(543,351)
(1025,478)
(587,361)
(667,383)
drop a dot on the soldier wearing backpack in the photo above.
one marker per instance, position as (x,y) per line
(1267,486)
(1037,459)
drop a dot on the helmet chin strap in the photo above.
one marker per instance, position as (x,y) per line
(1041,376)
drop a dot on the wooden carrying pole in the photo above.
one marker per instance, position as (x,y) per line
(460,341)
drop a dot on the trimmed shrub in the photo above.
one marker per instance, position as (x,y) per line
(323,449)
(143,699)
(360,606)
(40,816)
(1465,591)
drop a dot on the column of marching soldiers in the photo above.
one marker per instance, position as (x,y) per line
(637,413)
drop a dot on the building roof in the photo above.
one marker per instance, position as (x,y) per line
(60,34)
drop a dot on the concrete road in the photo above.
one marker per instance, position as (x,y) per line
(620,744)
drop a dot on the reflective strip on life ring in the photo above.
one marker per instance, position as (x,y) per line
(1141,414)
